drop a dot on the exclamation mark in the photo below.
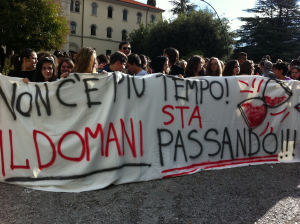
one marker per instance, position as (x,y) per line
(227,92)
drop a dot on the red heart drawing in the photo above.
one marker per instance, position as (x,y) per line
(275,101)
(254,114)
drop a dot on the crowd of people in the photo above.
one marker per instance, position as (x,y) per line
(47,67)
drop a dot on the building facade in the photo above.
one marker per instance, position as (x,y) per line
(103,24)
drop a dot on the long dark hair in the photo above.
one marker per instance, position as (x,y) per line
(18,61)
(158,63)
(229,67)
(38,72)
(193,65)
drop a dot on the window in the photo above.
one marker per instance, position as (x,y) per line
(124,15)
(108,52)
(124,35)
(109,12)
(152,18)
(109,31)
(77,6)
(72,6)
(139,17)
(73,27)
(93,30)
(94,9)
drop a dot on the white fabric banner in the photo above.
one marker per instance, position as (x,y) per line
(90,130)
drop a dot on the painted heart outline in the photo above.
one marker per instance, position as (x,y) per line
(255,115)
(277,100)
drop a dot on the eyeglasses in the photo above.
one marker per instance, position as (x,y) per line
(125,48)
(215,64)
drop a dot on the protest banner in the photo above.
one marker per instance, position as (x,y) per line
(88,131)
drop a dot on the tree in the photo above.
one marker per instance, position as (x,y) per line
(273,30)
(37,24)
(182,6)
(199,31)
(151,2)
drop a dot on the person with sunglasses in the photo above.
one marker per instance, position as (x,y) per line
(125,48)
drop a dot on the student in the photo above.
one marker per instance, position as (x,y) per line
(134,65)
(214,67)
(266,69)
(86,60)
(182,63)
(247,68)
(280,70)
(160,64)
(25,65)
(195,67)
(65,67)
(242,57)
(102,61)
(117,63)
(173,56)
(74,55)
(296,73)
(125,48)
(232,68)
(59,58)
(293,63)
(45,71)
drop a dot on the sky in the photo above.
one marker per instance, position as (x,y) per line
(231,9)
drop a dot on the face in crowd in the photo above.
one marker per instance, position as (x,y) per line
(214,65)
(47,71)
(242,58)
(126,49)
(296,73)
(65,67)
(236,69)
(30,63)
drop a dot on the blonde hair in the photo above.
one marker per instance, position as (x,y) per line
(84,60)
(208,68)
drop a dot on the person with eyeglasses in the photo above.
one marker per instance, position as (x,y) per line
(232,68)
(214,67)
(125,48)
(25,65)
(296,73)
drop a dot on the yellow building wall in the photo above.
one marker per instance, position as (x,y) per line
(100,41)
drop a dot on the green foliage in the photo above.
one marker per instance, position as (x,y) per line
(7,66)
(182,6)
(199,31)
(273,30)
(37,24)
(151,2)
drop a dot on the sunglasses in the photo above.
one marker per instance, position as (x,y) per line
(297,67)
(125,48)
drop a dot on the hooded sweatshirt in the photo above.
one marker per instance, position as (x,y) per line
(267,67)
